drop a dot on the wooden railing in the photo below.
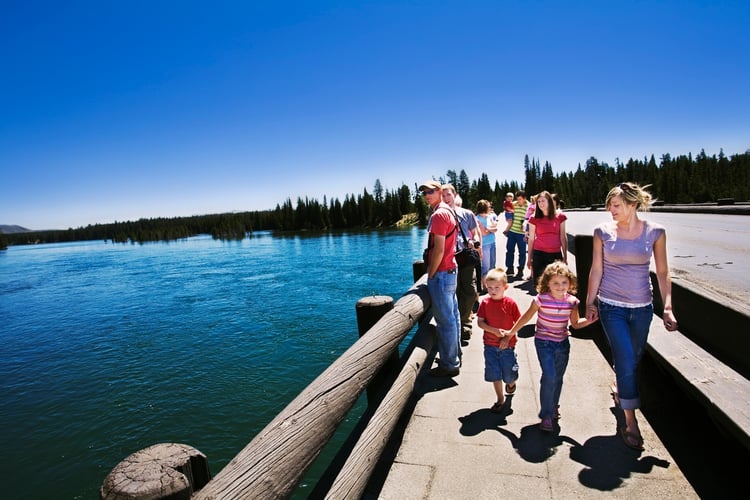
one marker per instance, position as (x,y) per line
(274,462)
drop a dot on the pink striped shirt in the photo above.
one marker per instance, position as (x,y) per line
(553,316)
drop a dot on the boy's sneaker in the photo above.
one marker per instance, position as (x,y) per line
(546,424)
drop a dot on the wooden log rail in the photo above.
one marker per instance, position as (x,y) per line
(274,462)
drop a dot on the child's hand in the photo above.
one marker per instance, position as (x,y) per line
(505,341)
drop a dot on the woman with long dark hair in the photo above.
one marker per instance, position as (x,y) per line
(548,241)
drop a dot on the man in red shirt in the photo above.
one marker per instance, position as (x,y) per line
(442,279)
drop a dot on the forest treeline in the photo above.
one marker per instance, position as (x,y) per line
(684,179)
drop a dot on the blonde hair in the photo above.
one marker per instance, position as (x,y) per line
(632,194)
(557,268)
(496,274)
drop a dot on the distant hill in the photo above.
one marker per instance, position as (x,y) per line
(12,229)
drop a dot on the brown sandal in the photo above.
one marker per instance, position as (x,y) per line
(631,439)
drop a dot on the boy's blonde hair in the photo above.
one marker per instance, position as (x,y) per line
(557,268)
(496,275)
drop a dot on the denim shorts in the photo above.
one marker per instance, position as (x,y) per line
(500,364)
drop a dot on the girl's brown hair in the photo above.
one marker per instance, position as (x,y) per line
(483,206)
(550,206)
(557,268)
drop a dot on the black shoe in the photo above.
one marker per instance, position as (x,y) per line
(439,371)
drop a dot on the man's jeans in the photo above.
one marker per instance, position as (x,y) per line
(442,289)
(515,240)
(627,331)
(553,358)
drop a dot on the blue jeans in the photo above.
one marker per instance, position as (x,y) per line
(553,358)
(627,331)
(442,289)
(500,364)
(489,258)
(515,240)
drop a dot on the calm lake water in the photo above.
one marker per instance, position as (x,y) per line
(106,349)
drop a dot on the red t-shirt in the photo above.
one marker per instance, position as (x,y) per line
(501,313)
(547,233)
(443,222)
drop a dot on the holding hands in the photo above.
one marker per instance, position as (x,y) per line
(505,338)
(592,313)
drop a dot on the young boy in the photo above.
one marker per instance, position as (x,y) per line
(498,313)
(508,208)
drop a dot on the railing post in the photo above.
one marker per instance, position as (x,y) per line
(418,268)
(369,311)
(164,470)
(583,249)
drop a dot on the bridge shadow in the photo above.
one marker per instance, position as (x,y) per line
(484,419)
(607,463)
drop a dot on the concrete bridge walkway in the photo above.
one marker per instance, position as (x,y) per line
(454,447)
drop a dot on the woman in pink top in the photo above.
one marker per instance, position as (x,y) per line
(548,241)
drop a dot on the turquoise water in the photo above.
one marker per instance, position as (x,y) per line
(106,349)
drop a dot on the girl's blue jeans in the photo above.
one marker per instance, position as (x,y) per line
(627,331)
(553,358)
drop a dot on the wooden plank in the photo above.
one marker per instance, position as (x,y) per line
(723,391)
(356,472)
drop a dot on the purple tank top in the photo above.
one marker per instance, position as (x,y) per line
(625,273)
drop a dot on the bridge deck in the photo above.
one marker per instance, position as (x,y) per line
(454,447)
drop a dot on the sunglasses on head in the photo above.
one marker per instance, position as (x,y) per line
(625,186)
(428,191)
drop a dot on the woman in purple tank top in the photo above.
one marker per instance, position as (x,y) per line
(619,291)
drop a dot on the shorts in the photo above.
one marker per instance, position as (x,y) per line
(508,215)
(500,364)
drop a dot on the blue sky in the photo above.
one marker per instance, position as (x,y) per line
(114,111)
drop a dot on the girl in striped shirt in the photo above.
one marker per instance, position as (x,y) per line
(555,308)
